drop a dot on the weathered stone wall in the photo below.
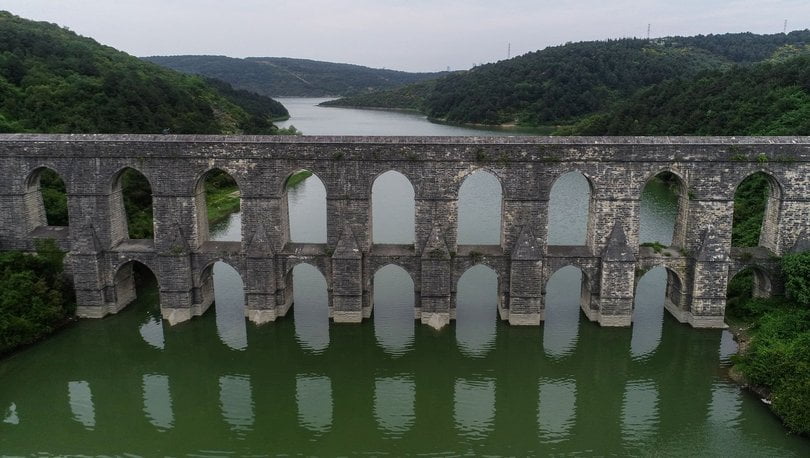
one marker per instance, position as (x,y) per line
(617,168)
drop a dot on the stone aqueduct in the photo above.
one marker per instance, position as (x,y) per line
(699,263)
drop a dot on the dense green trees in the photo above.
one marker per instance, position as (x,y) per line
(777,358)
(749,210)
(771,98)
(52,80)
(562,85)
(34,297)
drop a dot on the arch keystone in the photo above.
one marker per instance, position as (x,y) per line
(347,247)
(179,244)
(260,245)
(617,248)
(89,242)
(436,245)
(526,248)
(711,248)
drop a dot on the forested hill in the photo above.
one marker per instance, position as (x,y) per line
(561,85)
(52,80)
(771,98)
(281,76)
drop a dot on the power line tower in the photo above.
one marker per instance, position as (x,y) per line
(784,28)
(509,51)
(648,32)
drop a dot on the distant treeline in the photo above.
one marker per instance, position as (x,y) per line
(52,80)
(282,76)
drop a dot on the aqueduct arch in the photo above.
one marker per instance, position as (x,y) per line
(616,167)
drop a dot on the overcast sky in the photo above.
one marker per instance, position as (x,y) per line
(413,35)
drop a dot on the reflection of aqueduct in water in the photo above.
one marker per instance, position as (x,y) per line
(699,263)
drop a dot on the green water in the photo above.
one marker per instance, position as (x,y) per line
(111,387)
(219,386)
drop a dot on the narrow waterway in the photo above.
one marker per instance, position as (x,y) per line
(218,385)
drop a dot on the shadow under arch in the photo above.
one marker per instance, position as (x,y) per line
(45,199)
(213,189)
(569,215)
(304,207)
(131,214)
(476,301)
(751,281)
(757,202)
(656,209)
(394,304)
(393,209)
(480,209)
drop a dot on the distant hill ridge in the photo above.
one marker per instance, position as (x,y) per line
(53,80)
(562,85)
(284,76)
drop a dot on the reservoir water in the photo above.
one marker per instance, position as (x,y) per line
(220,386)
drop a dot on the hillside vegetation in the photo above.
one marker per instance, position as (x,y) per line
(282,76)
(771,98)
(561,85)
(52,80)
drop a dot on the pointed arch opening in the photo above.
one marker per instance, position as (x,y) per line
(565,292)
(46,203)
(480,202)
(221,283)
(306,289)
(133,281)
(477,296)
(757,201)
(394,303)
(305,201)
(218,199)
(663,211)
(131,206)
(569,209)
(744,288)
(656,290)
(393,209)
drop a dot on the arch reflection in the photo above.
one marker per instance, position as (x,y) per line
(236,402)
(313,395)
(639,410)
(474,406)
(556,411)
(157,401)
(81,403)
(394,403)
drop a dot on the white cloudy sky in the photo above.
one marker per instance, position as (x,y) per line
(414,35)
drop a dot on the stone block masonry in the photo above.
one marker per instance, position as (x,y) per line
(699,263)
